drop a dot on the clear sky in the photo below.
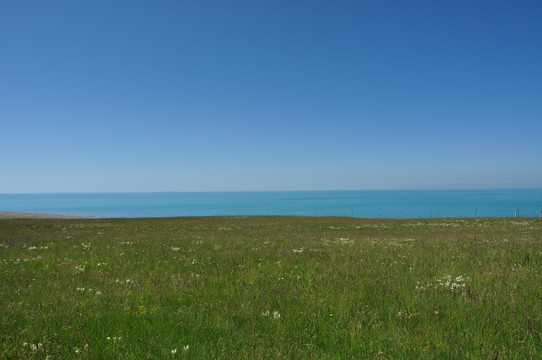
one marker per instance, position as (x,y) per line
(269,95)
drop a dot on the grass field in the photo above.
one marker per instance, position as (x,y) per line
(271,288)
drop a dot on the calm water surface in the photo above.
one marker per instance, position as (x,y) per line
(373,204)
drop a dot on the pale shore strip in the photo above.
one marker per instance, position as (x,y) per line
(26,215)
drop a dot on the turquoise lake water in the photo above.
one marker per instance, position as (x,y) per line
(370,204)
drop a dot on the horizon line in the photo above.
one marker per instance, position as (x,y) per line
(413,188)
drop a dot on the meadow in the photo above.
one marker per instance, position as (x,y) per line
(271,288)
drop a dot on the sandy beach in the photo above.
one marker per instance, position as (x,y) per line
(25,215)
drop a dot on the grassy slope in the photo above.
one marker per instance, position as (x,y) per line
(271,287)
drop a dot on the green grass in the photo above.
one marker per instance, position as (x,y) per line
(271,288)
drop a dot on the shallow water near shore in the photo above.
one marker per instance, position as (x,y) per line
(368,204)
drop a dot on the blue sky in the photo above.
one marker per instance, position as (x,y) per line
(269,95)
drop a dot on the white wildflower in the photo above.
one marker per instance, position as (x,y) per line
(345,241)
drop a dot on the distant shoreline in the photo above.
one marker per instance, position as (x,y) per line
(12,215)
(26,215)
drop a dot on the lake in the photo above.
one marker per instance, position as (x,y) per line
(370,204)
